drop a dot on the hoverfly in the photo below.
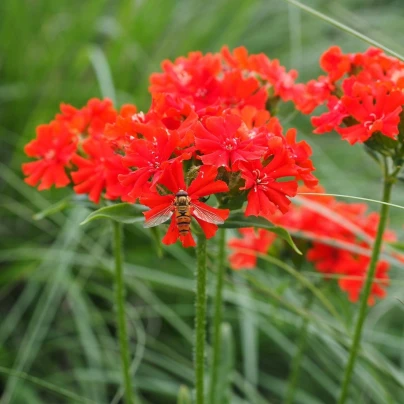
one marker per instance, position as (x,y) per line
(183,208)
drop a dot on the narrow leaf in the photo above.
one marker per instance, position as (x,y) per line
(237,220)
(46,385)
(226,364)
(122,213)
(184,396)
(344,27)
(156,234)
(52,209)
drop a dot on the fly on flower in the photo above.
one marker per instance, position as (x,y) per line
(183,208)
(184,203)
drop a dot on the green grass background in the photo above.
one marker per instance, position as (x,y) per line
(56,296)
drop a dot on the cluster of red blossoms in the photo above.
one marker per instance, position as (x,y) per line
(209,130)
(365,94)
(308,221)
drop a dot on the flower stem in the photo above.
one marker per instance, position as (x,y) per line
(217,316)
(384,210)
(297,359)
(200,319)
(120,313)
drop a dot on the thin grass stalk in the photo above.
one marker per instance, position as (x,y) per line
(353,353)
(217,321)
(299,355)
(120,313)
(200,319)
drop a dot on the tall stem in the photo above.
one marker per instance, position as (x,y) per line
(217,316)
(120,313)
(297,359)
(384,210)
(200,319)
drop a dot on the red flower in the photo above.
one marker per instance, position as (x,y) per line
(235,90)
(100,113)
(309,96)
(374,114)
(328,259)
(192,77)
(149,158)
(162,206)
(238,60)
(99,172)
(123,129)
(76,119)
(300,152)
(91,119)
(252,117)
(355,271)
(335,63)
(54,148)
(223,144)
(283,82)
(332,119)
(267,195)
(256,241)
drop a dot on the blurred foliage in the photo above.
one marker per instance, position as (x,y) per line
(56,298)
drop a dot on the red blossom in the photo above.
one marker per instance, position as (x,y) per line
(236,90)
(300,152)
(332,119)
(54,147)
(222,144)
(267,195)
(99,172)
(149,157)
(193,77)
(335,63)
(255,241)
(374,114)
(354,280)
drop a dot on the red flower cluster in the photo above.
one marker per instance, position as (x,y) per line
(207,132)
(327,259)
(366,94)
(75,141)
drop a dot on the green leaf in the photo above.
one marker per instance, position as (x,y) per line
(397,245)
(345,28)
(225,376)
(237,220)
(156,234)
(52,209)
(184,396)
(122,213)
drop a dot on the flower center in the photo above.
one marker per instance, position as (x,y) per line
(201,92)
(183,77)
(369,123)
(50,154)
(261,180)
(230,143)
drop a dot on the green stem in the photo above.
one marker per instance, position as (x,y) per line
(120,312)
(200,319)
(384,210)
(221,266)
(297,359)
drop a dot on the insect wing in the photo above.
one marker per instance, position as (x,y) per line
(159,217)
(206,215)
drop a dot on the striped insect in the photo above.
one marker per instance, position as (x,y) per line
(183,208)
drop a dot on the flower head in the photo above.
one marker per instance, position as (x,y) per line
(245,248)
(54,148)
(266,195)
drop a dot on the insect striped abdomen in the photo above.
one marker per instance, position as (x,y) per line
(182,214)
